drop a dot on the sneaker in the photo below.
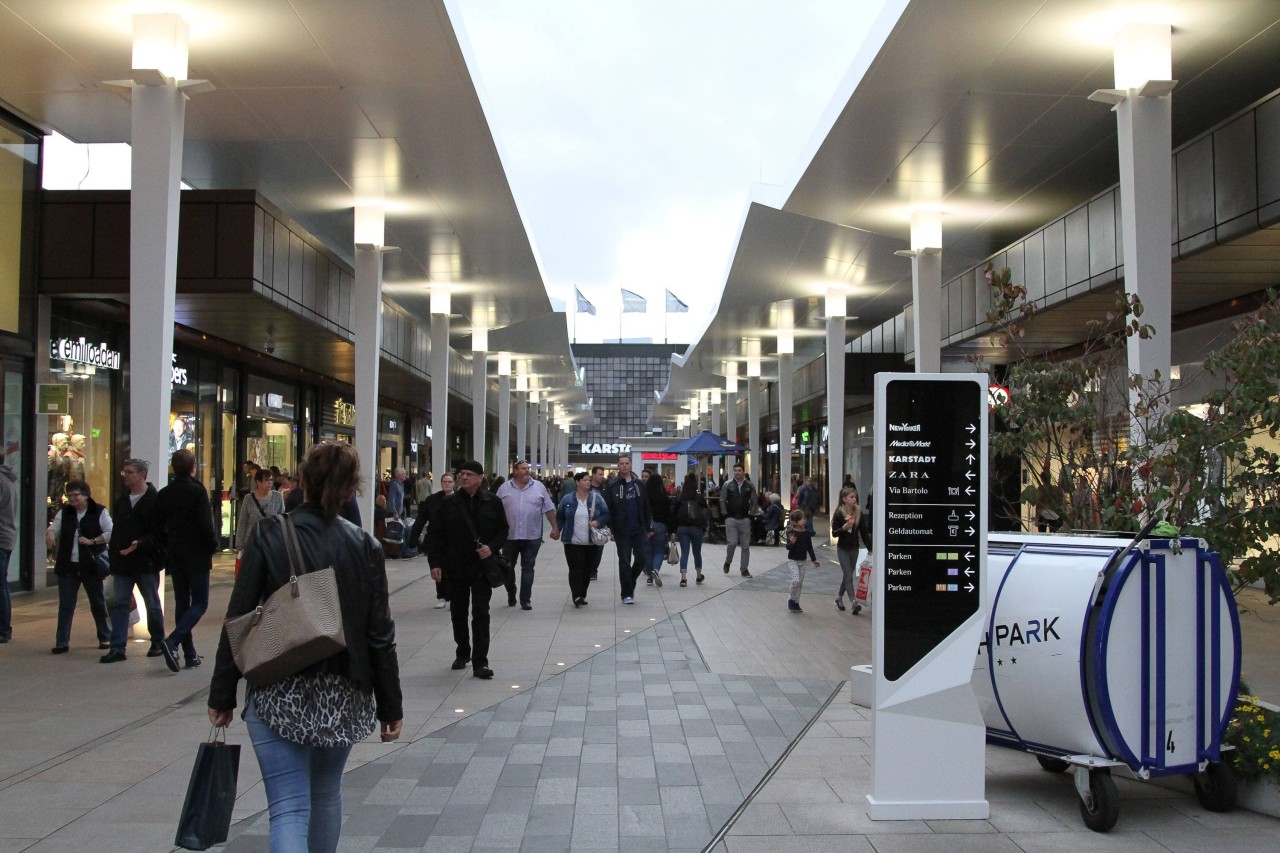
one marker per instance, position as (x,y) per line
(628,601)
(524,605)
(726,568)
(655,580)
(441,603)
(112,657)
(649,580)
(192,663)
(683,581)
(595,576)
(700,577)
(59,650)
(746,574)
(170,656)
(153,652)
(839,604)
(794,606)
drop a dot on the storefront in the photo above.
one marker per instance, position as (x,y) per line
(82,444)
(392,428)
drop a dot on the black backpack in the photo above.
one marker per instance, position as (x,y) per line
(691,514)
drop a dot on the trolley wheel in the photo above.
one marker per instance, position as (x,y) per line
(1052,765)
(1101,809)
(1216,786)
(856,609)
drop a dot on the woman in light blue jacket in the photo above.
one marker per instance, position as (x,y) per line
(578,513)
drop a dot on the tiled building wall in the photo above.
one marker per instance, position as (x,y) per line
(621,379)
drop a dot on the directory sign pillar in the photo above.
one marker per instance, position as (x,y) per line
(930,547)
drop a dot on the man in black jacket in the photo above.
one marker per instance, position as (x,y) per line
(186,519)
(737,503)
(454,553)
(632,525)
(135,561)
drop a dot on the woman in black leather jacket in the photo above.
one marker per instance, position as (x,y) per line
(304,726)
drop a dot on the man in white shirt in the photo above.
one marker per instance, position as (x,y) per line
(526,502)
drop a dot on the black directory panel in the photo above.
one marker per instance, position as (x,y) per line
(932,516)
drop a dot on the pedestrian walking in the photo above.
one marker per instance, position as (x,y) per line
(78,532)
(691,526)
(630,522)
(737,503)
(136,546)
(304,726)
(578,513)
(426,512)
(185,518)
(8,542)
(454,553)
(525,501)
(799,544)
(846,522)
(262,502)
(664,529)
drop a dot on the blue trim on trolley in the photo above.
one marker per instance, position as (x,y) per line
(991,615)
(1203,591)
(1156,564)
(1108,726)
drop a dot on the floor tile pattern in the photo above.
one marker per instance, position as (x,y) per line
(640,747)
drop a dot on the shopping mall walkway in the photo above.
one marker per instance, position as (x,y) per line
(705,716)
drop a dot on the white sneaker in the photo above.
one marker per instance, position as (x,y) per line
(628,601)
(441,604)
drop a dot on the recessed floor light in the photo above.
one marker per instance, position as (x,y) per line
(626,630)
(560,663)
(653,618)
(515,687)
(597,645)
(458,711)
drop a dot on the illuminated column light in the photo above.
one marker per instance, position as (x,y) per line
(837,302)
(731,377)
(371,221)
(1143,52)
(504,364)
(786,329)
(440,302)
(160,43)
(926,230)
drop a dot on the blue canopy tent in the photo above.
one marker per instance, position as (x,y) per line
(704,445)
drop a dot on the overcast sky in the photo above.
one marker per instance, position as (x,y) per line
(633,131)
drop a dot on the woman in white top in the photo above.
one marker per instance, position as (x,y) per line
(78,533)
(262,502)
(578,512)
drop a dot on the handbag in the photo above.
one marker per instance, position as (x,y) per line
(102,563)
(211,794)
(673,553)
(495,568)
(599,535)
(299,624)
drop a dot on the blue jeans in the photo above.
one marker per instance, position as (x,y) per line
(690,539)
(304,789)
(68,593)
(528,551)
(149,586)
(6,605)
(190,601)
(658,545)
(633,558)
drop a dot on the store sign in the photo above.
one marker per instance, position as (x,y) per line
(179,374)
(600,449)
(392,425)
(344,413)
(81,351)
(997,395)
(659,457)
(274,401)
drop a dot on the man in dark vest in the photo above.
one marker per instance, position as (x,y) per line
(135,561)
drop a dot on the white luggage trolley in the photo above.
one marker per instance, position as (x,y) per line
(1107,652)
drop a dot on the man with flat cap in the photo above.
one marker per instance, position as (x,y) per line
(470,525)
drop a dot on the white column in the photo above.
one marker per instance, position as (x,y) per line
(543,429)
(157,118)
(439,356)
(1143,68)
(366,304)
(479,403)
(926,289)
(502,446)
(756,456)
(836,310)
(786,394)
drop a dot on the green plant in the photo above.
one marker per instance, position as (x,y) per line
(1101,447)
(1254,731)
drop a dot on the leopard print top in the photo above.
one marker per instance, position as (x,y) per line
(317,709)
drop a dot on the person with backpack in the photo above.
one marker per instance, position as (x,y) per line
(691,523)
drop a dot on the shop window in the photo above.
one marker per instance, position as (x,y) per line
(13,458)
(80,442)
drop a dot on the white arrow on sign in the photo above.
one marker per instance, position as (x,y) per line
(971,444)
(969,490)
(971,531)
(968,573)
(968,555)
(969,587)
(969,459)
(971,515)
(971,428)
(968,475)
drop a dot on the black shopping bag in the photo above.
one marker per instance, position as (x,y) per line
(211,794)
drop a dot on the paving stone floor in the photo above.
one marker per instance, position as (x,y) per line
(638,748)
